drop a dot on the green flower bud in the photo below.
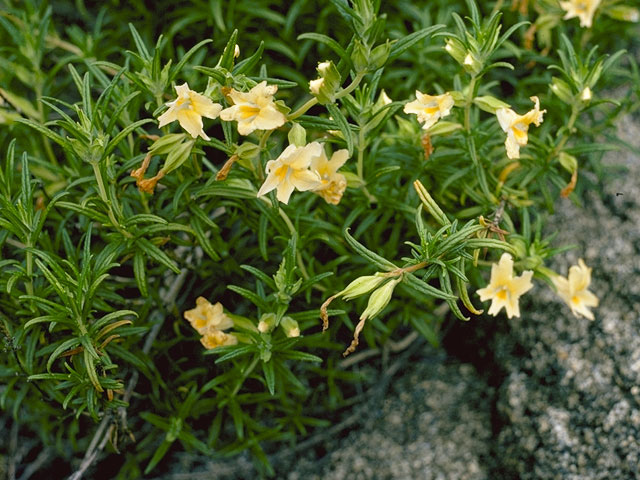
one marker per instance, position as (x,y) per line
(568,162)
(472,64)
(360,57)
(444,128)
(267,322)
(290,327)
(623,12)
(379,299)
(379,56)
(456,49)
(562,90)
(490,104)
(297,135)
(361,285)
(519,246)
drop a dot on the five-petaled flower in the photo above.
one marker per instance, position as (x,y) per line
(332,184)
(290,171)
(583,9)
(188,109)
(254,110)
(517,126)
(210,321)
(504,289)
(430,108)
(574,290)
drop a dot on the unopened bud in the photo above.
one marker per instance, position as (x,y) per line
(586,94)
(297,135)
(315,85)
(490,104)
(267,322)
(471,64)
(360,286)
(290,327)
(568,162)
(236,51)
(562,90)
(379,299)
(456,49)
(623,12)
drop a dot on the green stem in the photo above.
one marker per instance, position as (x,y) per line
(565,137)
(29,258)
(467,105)
(246,373)
(302,110)
(351,87)
(105,198)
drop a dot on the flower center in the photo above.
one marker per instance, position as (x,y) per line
(502,293)
(575,300)
(281,172)
(430,110)
(248,111)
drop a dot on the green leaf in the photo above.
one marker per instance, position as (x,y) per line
(374,258)
(269,376)
(328,41)
(402,45)
(342,124)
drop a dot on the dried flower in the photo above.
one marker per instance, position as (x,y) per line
(333,184)
(290,171)
(504,289)
(254,110)
(430,108)
(517,126)
(188,109)
(583,9)
(574,290)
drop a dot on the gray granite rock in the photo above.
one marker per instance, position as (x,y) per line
(570,404)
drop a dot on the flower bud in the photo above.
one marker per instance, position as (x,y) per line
(360,286)
(585,96)
(315,85)
(490,104)
(471,64)
(562,90)
(290,327)
(298,135)
(568,162)
(360,57)
(379,299)
(624,13)
(444,128)
(456,49)
(236,51)
(379,56)
(267,322)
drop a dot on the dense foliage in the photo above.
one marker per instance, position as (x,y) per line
(121,205)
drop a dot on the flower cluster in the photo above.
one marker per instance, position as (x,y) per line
(210,321)
(253,110)
(306,168)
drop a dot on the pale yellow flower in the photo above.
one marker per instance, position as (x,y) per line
(504,289)
(583,9)
(517,126)
(210,321)
(254,110)
(574,290)
(217,338)
(315,85)
(290,171)
(188,109)
(430,108)
(333,184)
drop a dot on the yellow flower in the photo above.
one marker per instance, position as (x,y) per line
(217,338)
(210,321)
(517,126)
(316,85)
(430,108)
(574,290)
(583,9)
(504,289)
(188,109)
(333,184)
(290,171)
(254,110)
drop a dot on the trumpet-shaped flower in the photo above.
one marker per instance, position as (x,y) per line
(517,126)
(210,321)
(254,110)
(574,290)
(430,108)
(188,109)
(504,289)
(290,171)
(332,184)
(583,9)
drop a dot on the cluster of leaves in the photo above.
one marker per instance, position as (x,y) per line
(96,273)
